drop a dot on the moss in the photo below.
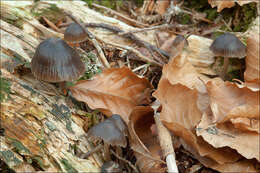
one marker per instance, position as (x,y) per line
(249,13)
(92,68)
(68,167)
(9,158)
(4,88)
(50,11)
(184,19)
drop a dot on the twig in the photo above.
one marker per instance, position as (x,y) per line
(166,144)
(124,160)
(52,25)
(142,57)
(131,36)
(141,67)
(147,29)
(94,41)
(134,22)
(96,149)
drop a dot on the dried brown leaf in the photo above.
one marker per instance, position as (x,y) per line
(161,6)
(114,91)
(225,135)
(181,112)
(227,4)
(229,100)
(246,124)
(144,143)
(253,58)
(172,98)
(198,49)
(221,4)
(180,70)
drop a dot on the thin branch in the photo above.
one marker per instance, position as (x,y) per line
(165,140)
(96,149)
(130,36)
(134,22)
(147,29)
(52,25)
(124,160)
(140,55)
(94,41)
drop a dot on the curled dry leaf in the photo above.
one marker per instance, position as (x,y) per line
(198,49)
(161,6)
(225,135)
(229,100)
(143,141)
(181,113)
(114,91)
(228,4)
(180,70)
(234,121)
(184,99)
(253,58)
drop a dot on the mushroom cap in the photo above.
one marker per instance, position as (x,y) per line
(111,166)
(74,33)
(55,61)
(119,122)
(228,45)
(108,132)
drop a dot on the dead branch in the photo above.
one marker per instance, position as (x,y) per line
(134,22)
(94,41)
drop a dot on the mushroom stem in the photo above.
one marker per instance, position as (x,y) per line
(96,149)
(225,68)
(107,156)
(63,88)
(165,139)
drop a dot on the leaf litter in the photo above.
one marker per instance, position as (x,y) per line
(216,122)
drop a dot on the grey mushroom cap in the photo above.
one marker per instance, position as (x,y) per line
(108,132)
(74,33)
(119,122)
(55,61)
(228,45)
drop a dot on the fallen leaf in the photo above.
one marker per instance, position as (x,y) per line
(253,58)
(181,112)
(144,143)
(246,124)
(172,98)
(198,52)
(225,135)
(180,70)
(227,4)
(229,100)
(114,91)
(161,6)
(221,4)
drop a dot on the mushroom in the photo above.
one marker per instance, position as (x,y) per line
(110,166)
(109,132)
(119,122)
(55,61)
(75,34)
(228,46)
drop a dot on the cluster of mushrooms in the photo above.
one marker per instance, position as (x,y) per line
(55,61)
(228,46)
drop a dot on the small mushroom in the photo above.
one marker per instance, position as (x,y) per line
(110,166)
(228,46)
(109,132)
(119,122)
(55,61)
(75,34)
